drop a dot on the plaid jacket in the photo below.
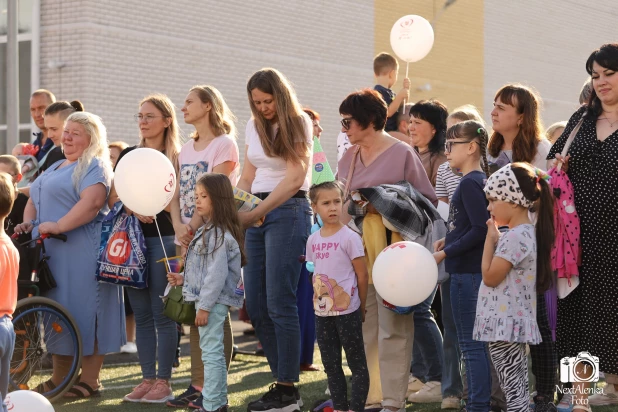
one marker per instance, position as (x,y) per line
(400,204)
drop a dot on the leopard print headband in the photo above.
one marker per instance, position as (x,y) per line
(503,185)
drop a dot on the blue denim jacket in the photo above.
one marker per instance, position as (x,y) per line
(212,278)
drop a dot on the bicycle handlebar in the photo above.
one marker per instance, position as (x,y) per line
(44,236)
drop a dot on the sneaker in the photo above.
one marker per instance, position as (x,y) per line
(198,403)
(160,392)
(566,403)
(130,347)
(299,400)
(139,391)
(608,397)
(542,404)
(451,402)
(429,393)
(221,409)
(274,401)
(183,400)
(414,385)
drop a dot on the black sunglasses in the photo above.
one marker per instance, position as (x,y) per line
(346,122)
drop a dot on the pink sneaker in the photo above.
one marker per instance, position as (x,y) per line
(160,392)
(139,391)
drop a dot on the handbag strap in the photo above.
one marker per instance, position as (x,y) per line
(569,141)
(346,191)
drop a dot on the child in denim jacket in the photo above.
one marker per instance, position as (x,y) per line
(212,279)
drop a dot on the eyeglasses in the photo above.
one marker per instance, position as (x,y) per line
(346,122)
(148,118)
(448,146)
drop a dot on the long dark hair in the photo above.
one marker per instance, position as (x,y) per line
(527,103)
(605,56)
(537,189)
(471,130)
(224,216)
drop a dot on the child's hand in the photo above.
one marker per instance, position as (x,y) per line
(201,318)
(493,234)
(439,245)
(404,93)
(175,279)
(406,83)
(439,256)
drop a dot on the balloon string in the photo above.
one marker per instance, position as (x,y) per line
(403,107)
(167,263)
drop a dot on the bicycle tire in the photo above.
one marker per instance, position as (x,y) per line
(30,306)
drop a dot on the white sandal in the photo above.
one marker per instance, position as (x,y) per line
(585,408)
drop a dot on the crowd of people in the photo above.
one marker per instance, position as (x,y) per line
(494,305)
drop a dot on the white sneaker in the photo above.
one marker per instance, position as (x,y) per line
(608,397)
(566,403)
(451,402)
(130,347)
(414,385)
(429,393)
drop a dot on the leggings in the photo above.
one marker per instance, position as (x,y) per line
(543,355)
(333,333)
(511,365)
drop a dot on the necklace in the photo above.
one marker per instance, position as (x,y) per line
(611,124)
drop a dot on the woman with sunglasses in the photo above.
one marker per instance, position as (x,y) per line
(378,158)
(277,169)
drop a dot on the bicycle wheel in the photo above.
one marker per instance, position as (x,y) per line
(46,335)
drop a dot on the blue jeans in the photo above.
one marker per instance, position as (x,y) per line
(7,344)
(214,390)
(427,357)
(271,278)
(152,327)
(451,371)
(464,294)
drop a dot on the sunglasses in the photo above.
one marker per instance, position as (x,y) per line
(346,122)
(448,146)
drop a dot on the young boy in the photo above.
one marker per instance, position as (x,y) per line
(10,165)
(9,270)
(385,68)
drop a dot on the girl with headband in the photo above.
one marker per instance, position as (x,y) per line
(516,266)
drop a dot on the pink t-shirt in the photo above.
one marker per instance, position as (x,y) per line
(334,280)
(9,271)
(194,164)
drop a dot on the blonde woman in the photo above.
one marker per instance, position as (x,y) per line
(554,131)
(211,149)
(156,333)
(70,198)
(278,171)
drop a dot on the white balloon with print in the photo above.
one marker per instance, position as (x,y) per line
(412,38)
(27,401)
(145,181)
(405,274)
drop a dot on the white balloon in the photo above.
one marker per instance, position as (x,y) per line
(27,401)
(412,38)
(405,274)
(145,181)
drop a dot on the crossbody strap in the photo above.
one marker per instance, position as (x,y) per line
(346,191)
(569,141)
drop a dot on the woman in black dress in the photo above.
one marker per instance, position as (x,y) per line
(588,316)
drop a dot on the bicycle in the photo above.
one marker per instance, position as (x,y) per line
(46,333)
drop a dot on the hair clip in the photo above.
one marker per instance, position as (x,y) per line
(479,130)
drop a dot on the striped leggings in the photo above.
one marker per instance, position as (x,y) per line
(511,365)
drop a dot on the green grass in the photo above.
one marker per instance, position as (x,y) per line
(249,377)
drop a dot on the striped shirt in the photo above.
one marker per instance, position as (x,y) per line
(446,181)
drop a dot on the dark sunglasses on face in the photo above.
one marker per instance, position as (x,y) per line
(346,122)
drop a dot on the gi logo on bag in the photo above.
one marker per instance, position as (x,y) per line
(118,250)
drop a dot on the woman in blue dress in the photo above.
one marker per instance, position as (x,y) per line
(70,198)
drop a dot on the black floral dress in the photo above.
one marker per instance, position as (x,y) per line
(588,316)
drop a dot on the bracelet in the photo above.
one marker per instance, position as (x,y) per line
(34,222)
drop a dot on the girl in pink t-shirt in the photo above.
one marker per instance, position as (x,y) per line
(340,282)
(211,149)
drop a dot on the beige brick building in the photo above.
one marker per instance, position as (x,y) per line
(111,53)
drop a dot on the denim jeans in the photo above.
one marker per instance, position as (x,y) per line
(271,278)
(155,333)
(451,371)
(464,294)
(7,344)
(427,356)
(214,390)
